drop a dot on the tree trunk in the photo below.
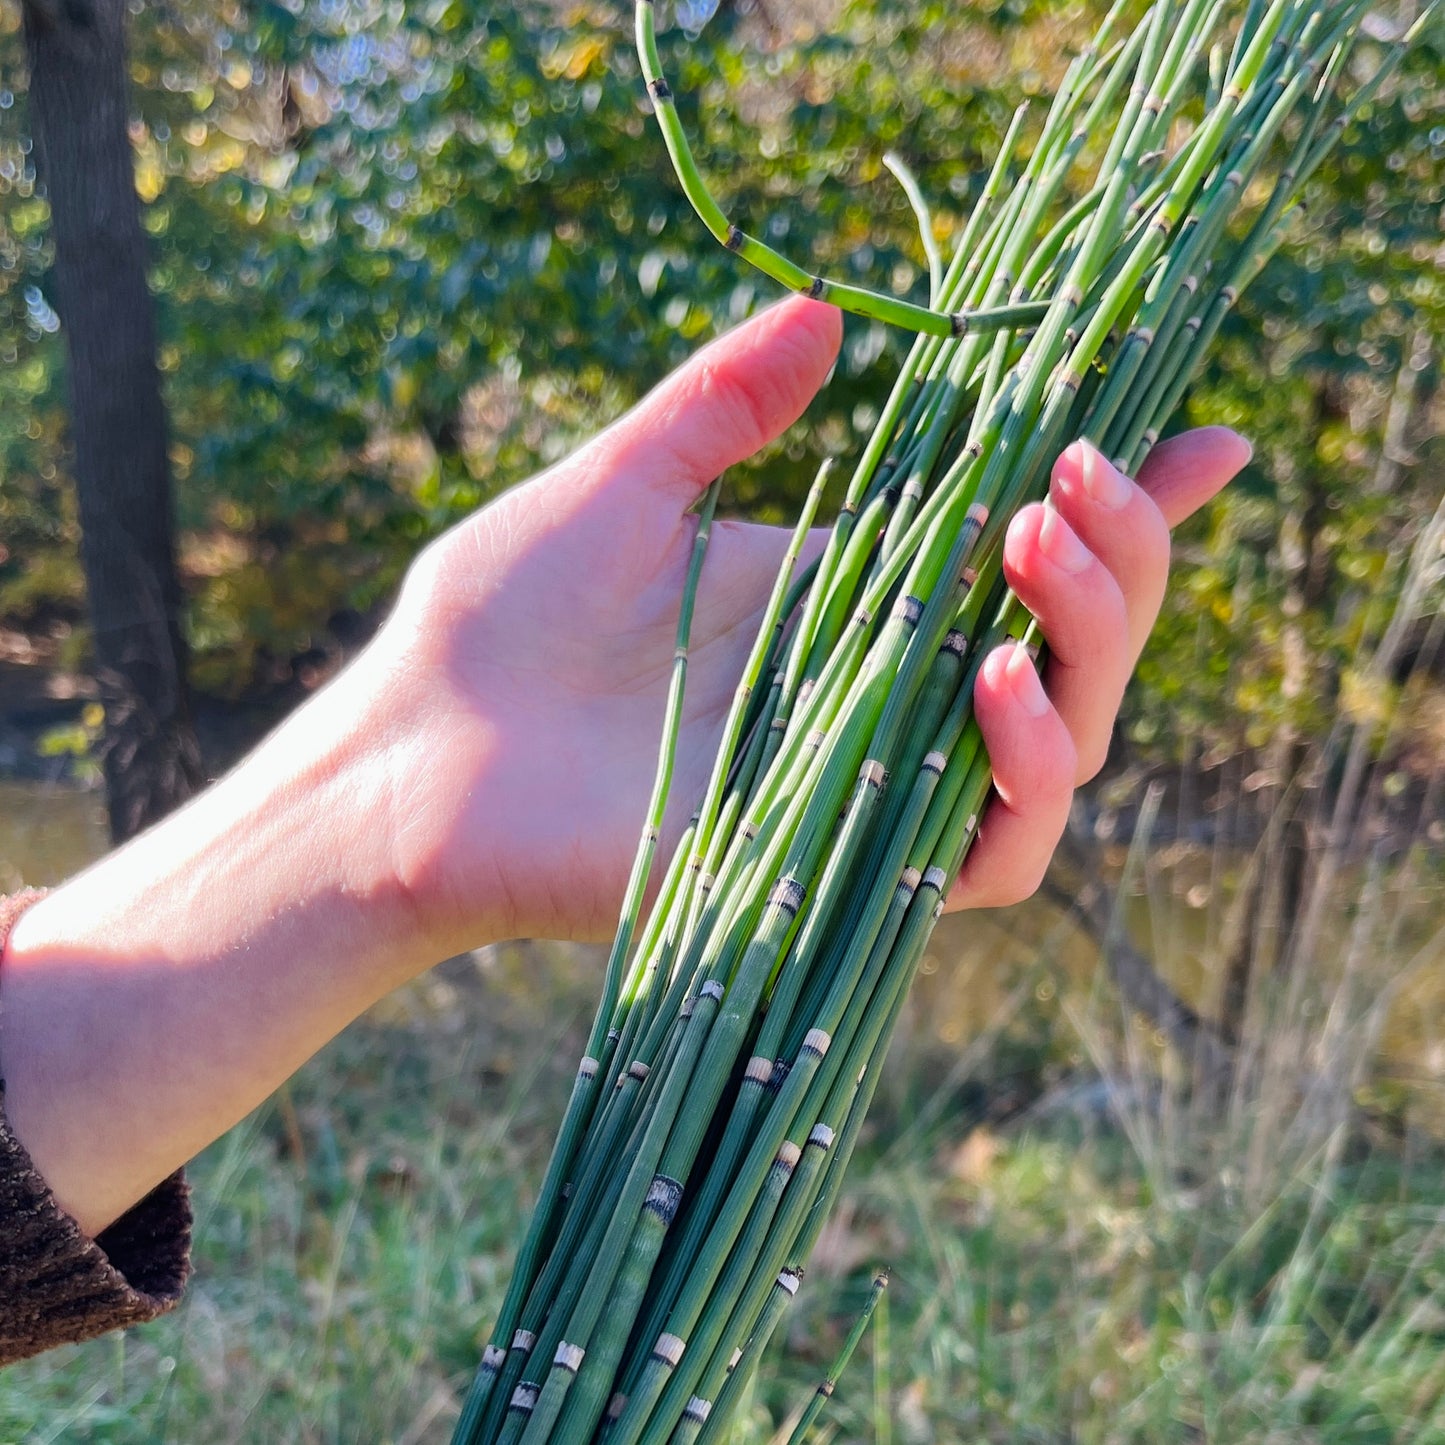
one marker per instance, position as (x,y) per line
(80,118)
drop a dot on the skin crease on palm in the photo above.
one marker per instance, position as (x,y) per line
(480,771)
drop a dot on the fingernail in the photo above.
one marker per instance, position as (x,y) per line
(1104,483)
(1061,546)
(1023,680)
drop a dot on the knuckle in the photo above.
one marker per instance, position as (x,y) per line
(1154,545)
(742,409)
(1100,636)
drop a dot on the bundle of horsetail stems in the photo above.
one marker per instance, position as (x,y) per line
(745,1018)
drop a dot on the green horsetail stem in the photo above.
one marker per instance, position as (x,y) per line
(924,216)
(807,1084)
(742,1367)
(772,263)
(850,1084)
(745,1018)
(829,1382)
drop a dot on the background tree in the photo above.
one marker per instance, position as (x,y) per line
(80,115)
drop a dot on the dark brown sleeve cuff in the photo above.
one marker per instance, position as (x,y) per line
(58,1286)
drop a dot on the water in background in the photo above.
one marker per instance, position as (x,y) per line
(47,832)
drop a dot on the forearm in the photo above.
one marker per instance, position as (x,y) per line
(153,1001)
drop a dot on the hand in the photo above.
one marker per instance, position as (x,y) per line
(538,637)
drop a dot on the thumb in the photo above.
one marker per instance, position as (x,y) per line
(736,395)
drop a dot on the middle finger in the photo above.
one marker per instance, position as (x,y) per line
(1082,613)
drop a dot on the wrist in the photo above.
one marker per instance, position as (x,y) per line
(455,810)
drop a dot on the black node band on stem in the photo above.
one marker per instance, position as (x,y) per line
(664,1195)
(759,1070)
(788,895)
(817,1042)
(669,1349)
(787,1156)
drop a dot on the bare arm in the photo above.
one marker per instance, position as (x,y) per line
(157,998)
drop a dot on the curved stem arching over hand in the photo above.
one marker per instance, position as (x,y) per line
(856,299)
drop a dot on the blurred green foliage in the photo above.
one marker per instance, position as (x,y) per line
(406,254)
